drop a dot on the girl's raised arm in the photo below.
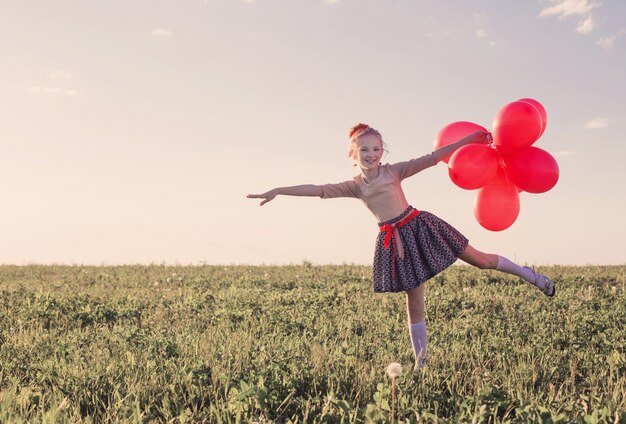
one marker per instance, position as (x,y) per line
(479,137)
(310,190)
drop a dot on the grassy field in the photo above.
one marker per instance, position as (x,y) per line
(306,344)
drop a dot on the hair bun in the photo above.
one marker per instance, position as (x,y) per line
(357,128)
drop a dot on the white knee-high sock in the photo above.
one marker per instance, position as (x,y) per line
(512,268)
(418,338)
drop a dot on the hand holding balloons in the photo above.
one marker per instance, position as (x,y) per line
(454,132)
(502,169)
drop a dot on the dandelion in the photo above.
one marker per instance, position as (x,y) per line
(393,370)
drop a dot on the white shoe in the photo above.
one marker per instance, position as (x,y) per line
(549,288)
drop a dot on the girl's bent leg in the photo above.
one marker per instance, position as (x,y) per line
(479,259)
(415,306)
(491,261)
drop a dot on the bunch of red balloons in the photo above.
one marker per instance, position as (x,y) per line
(504,168)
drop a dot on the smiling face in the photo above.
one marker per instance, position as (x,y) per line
(369,151)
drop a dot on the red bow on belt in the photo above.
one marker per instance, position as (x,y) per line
(392,229)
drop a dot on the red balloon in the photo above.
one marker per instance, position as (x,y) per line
(516,125)
(454,132)
(497,204)
(473,166)
(532,169)
(542,113)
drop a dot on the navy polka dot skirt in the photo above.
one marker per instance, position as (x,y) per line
(426,246)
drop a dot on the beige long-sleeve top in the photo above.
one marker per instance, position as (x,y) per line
(383,196)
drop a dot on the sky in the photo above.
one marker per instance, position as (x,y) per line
(132,130)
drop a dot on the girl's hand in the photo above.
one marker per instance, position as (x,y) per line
(268,196)
(480,137)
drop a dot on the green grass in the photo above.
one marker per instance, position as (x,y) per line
(306,344)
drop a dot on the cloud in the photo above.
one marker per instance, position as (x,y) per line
(586,26)
(39,90)
(597,123)
(35,89)
(72,92)
(481,20)
(480,17)
(482,34)
(607,42)
(59,75)
(161,33)
(566,8)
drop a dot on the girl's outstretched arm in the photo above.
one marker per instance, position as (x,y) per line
(479,137)
(310,190)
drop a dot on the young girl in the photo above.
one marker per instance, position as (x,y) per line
(412,245)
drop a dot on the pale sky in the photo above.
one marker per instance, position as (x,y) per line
(132,130)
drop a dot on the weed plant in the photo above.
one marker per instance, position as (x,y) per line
(306,343)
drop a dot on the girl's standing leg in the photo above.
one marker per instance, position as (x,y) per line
(415,306)
(491,261)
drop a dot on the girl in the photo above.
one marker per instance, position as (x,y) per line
(412,246)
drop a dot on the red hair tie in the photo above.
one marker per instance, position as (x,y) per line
(357,128)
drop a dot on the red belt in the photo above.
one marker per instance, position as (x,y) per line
(392,230)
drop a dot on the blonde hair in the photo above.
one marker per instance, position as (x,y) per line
(360,130)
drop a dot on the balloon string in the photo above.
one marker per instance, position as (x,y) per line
(502,164)
(492,144)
